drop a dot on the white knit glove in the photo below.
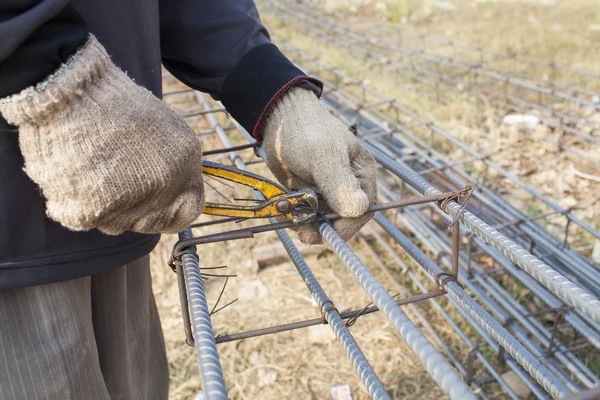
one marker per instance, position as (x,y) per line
(307,147)
(105,152)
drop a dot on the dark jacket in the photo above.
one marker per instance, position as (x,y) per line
(216,46)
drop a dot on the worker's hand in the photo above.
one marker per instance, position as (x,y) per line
(307,147)
(105,152)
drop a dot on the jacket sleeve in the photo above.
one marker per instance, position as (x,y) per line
(36,37)
(222,48)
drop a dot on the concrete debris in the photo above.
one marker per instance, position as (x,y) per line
(254,358)
(594,27)
(516,384)
(521,121)
(596,252)
(542,2)
(252,290)
(342,392)
(444,5)
(266,377)
(320,334)
(274,253)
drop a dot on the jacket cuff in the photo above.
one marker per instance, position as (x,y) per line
(256,83)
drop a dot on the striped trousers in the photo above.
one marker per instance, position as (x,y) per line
(93,338)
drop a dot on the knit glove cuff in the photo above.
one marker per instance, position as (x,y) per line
(40,104)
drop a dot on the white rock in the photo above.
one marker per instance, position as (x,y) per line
(266,377)
(320,334)
(596,252)
(444,5)
(341,392)
(527,121)
(253,290)
(254,357)
(568,202)
(594,27)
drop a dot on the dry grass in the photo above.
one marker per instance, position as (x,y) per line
(562,32)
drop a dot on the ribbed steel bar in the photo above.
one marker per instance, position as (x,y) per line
(499,333)
(427,233)
(331,315)
(543,273)
(480,284)
(538,289)
(360,363)
(430,358)
(211,373)
(464,369)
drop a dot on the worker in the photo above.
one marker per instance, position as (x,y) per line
(94,166)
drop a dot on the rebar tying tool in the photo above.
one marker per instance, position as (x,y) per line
(299,206)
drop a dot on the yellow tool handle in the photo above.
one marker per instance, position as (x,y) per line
(232,210)
(267,187)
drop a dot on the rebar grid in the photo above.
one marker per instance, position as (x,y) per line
(446,377)
(330,314)
(440,370)
(512,315)
(475,383)
(545,240)
(550,385)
